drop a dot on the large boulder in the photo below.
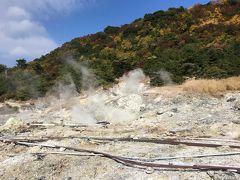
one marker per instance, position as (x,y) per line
(132,102)
(13,124)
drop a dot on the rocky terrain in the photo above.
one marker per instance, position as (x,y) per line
(130,110)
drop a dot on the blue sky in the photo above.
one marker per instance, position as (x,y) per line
(30,28)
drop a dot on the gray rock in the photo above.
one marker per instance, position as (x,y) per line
(41,178)
(236,106)
(180,130)
(13,124)
(160,112)
(132,102)
(236,121)
(68,178)
(221,175)
(231,99)
(175,110)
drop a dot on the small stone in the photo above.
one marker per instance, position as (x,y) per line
(41,178)
(237,106)
(62,149)
(221,175)
(39,157)
(142,108)
(160,113)
(68,178)
(149,170)
(236,121)
(231,99)
(175,110)
(1,173)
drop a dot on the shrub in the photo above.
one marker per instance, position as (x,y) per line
(22,94)
(3,68)
(111,29)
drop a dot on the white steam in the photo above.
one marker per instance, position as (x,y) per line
(81,115)
(119,105)
(63,90)
(88,79)
(131,83)
(165,77)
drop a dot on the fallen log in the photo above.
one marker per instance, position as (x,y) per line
(140,164)
(147,159)
(212,139)
(121,139)
(55,124)
(181,157)
(169,141)
(33,140)
(66,153)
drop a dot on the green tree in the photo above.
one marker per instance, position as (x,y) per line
(37,68)
(3,84)
(21,63)
(3,68)
(111,29)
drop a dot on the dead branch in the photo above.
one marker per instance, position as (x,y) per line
(129,162)
(32,140)
(55,124)
(211,139)
(181,157)
(146,159)
(67,153)
(169,141)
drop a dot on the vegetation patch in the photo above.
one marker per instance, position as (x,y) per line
(200,42)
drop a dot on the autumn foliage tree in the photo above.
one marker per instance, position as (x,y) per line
(202,42)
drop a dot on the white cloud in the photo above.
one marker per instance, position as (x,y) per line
(15,12)
(21,33)
(19,50)
(23,29)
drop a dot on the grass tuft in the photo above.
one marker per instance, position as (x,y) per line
(212,87)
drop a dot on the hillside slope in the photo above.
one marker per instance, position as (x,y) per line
(160,126)
(201,42)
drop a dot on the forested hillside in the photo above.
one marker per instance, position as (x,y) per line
(201,42)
